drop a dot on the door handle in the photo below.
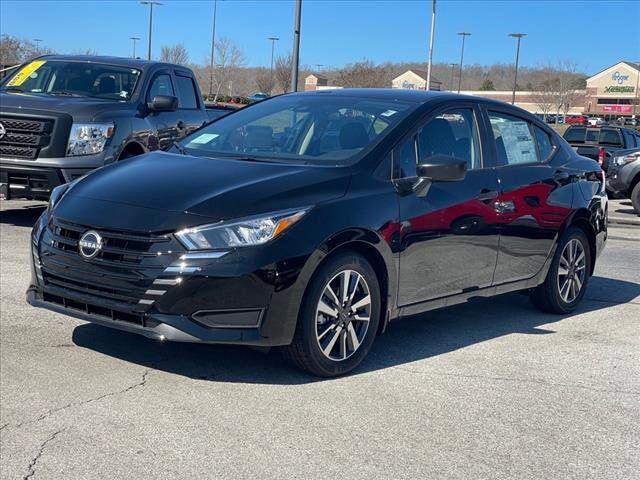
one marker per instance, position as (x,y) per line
(486,195)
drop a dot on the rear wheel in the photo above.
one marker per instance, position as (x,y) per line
(635,198)
(568,275)
(339,317)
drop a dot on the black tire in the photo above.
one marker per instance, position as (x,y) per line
(547,296)
(635,198)
(305,351)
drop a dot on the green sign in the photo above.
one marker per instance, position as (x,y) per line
(618,89)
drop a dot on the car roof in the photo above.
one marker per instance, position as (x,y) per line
(119,61)
(416,97)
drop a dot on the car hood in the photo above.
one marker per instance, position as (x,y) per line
(168,191)
(83,109)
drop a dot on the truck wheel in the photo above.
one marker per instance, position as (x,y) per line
(635,198)
(568,275)
(339,317)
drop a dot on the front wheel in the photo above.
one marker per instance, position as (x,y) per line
(568,275)
(339,317)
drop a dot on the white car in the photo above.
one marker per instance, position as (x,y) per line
(596,121)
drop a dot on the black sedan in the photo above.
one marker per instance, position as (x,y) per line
(309,221)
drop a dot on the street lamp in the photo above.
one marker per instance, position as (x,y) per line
(295,63)
(135,39)
(463,35)
(151,3)
(433,30)
(37,41)
(453,66)
(273,46)
(515,77)
(213,47)
(635,100)
(318,65)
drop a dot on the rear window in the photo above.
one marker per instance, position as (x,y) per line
(186,92)
(575,134)
(609,136)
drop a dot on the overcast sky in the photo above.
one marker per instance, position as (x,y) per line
(594,33)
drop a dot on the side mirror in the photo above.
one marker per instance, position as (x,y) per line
(163,103)
(442,168)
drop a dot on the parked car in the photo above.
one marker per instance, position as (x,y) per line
(257,97)
(62,116)
(596,121)
(631,121)
(601,143)
(623,175)
(310,220)
(575,120)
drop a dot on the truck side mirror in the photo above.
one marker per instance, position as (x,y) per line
(163,103)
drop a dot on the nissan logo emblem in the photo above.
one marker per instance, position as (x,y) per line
(2,131)
(90,244)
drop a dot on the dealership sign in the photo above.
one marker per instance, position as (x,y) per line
(617,108)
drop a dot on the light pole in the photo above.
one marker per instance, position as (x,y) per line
(273,46)
(151,3)
(515,77)
(135,39)
(318,65)
(213,47)
(635,100)
(295,64)
(453,67)
(37,41)
(433,30)
(463,35)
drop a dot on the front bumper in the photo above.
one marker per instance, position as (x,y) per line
(232,297)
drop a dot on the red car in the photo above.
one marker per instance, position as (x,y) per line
(575,120)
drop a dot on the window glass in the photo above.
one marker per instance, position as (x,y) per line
(405,159)
(575,134)
(610,137)
(514,141)
(186,92)
(161,86)
(325,128)
(453,134)
(545,146)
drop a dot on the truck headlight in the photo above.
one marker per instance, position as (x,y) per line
(88,138)
(240,233)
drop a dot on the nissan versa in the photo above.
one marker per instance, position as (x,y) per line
(310,220)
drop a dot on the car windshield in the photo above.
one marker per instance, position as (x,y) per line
(57,77)
(315,128)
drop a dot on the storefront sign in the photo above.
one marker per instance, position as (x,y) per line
(619,78)
(617,108)
(618,89)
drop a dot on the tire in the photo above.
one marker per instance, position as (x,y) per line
(561,292)
(312,348)
(635,198)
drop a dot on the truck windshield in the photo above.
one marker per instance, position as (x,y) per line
(317,128)
(57,77)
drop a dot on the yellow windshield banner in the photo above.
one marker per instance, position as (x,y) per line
(26,71)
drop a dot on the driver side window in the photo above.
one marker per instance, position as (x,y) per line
(453,133)
(161,85)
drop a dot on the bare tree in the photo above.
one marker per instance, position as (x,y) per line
(544,97)
(264,81)
(283,72)
(228,58)
(566,83)
(363,74)
(174,54)
(14,50)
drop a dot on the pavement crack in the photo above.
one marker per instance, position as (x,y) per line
(141,383)
(31,469)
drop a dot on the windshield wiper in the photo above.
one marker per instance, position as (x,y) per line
(12,89)
(65,93)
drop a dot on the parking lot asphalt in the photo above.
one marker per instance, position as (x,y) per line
(490,389)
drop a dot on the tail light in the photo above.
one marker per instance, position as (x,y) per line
(602,154)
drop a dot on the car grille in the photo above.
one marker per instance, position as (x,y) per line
(118,279)
(24,138)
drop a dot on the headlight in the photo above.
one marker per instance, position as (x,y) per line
(240,233)
(88,138)
(622,160)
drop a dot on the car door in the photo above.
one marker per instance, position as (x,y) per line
(448,237)
(534,196)
(191,114)
(165,123)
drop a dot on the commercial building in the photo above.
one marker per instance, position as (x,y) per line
(614,91)
(415,80)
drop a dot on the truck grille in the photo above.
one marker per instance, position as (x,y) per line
(24,138)
(117,279)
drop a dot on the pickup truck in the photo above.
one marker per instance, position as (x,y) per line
(600,143)
(63,116)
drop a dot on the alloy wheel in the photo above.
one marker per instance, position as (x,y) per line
(342,315)
(571,270)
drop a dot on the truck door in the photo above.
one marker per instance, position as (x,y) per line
(191,113)
(165,123)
